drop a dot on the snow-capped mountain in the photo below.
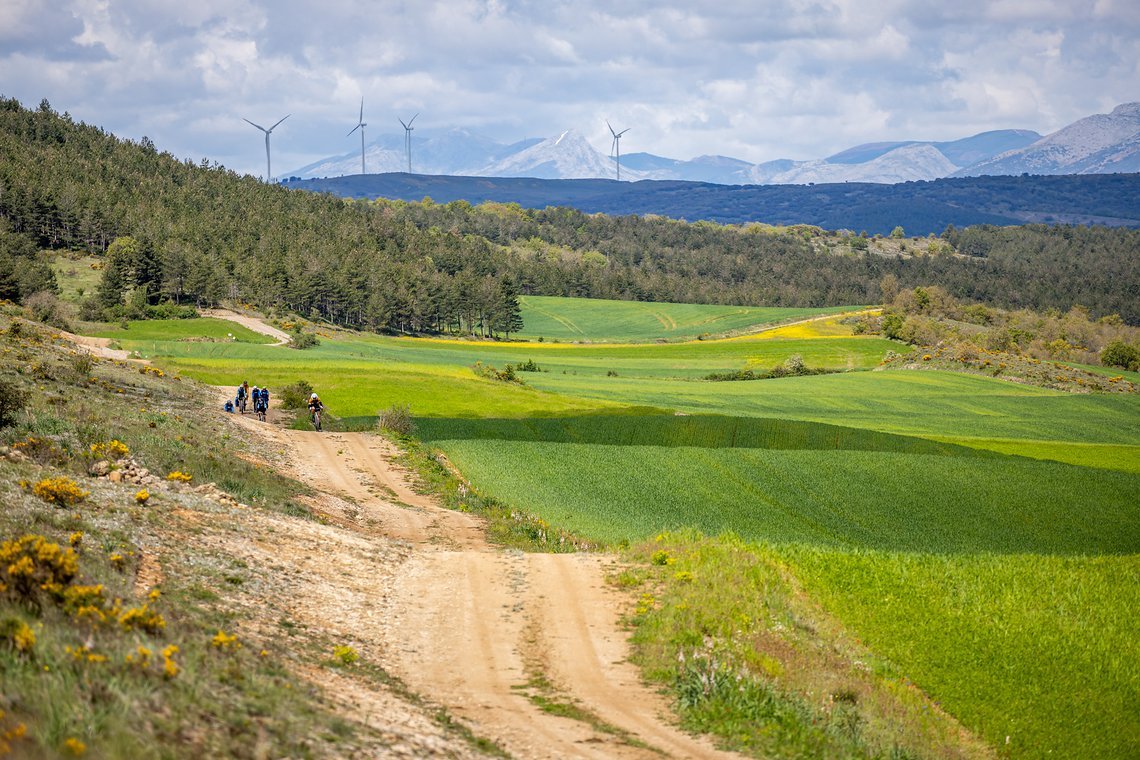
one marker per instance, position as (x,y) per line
(567,156)
(1104,143)
(1098,144)
(919,161)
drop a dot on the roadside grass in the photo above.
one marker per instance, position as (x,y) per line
(137,333)
(885,500)
(746,656)
(587,319)
(508,526)
(1037,654)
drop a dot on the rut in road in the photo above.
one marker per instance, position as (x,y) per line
(482,630)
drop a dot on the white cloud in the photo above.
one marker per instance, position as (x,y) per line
(789,78)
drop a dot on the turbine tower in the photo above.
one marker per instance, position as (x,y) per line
(360,125)
(268,163)
(408,139)
(615,148)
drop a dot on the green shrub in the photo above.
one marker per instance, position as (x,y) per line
(1120,354)
(301,340)
(296,395)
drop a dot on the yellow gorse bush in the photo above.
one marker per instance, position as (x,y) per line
(182,477)
(225,641)
(143,619)
(113,449)
(169,667)
(61,491)
(32,563)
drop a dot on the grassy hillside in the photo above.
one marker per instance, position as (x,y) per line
(122,627)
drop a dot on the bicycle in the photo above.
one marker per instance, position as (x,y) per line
(241,404)
(259,408)
(315,418)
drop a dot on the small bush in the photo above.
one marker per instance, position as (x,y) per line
(345,655)
(1120,354)
(301,341)
(296,395)
(45,307)
(61,491)
(396,419)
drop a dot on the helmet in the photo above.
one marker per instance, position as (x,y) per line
(312,397)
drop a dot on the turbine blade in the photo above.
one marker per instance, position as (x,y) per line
(283,118)
(612,132)
(247,121)
(624,131)
(361,108)
(402,124)
(353,130)
(411,120)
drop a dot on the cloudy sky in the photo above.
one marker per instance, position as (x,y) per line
(757,80)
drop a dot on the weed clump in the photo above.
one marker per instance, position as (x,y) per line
(396,419)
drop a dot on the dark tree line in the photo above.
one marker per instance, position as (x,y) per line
(196,234)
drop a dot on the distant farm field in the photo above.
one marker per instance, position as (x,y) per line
(598,320)
(206,329)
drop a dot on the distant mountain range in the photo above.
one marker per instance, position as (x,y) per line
(1098,144)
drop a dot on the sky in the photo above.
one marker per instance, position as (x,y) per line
(757,80)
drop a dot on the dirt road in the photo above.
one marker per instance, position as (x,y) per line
(487,633)
(253,323)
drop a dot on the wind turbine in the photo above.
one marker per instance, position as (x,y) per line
(360,125)
(268,164)
(408,139)
(615,148)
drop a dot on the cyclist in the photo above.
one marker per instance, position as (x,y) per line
(315,409)
(242,395)
(262,404)
(255,397)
